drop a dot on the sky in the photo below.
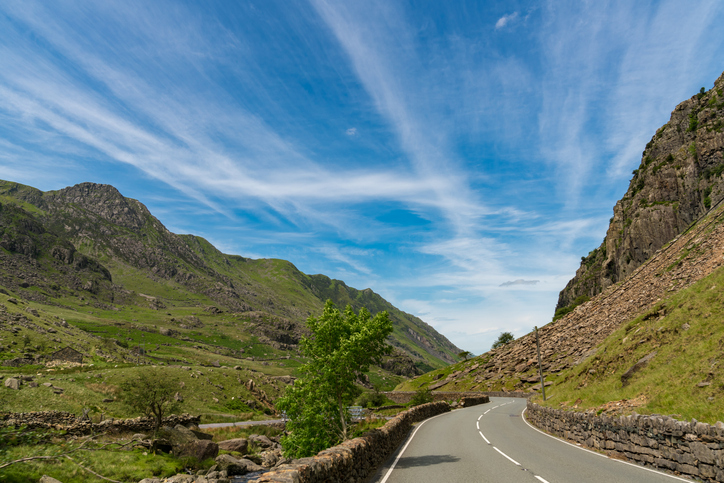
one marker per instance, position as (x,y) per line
(457,157)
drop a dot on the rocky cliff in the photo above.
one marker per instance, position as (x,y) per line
(573,338)
(679,180)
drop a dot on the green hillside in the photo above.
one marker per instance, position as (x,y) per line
(116,271)
(684,338)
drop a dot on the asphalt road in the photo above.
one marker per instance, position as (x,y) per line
(493,443)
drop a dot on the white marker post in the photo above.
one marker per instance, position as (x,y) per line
(540,366)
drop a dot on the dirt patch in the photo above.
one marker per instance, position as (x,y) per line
(624,406)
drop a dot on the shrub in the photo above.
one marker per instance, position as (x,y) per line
(503,339)
(421,396)
(372,399)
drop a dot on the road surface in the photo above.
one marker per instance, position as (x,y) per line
(493,443)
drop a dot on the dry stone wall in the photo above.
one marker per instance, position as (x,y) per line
(72,424)
(689,448)
(404,397)
(353,460)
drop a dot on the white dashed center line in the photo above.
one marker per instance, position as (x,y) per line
(511,459)
(486,439)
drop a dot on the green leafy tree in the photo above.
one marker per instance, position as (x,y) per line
(152,393)
(465,355)
(503,339)
(341,346)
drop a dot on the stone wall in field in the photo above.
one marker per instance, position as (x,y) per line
(354,460)
(404,397)
(689,448)
(72,424)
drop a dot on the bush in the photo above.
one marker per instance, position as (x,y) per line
(503,339)
(371,399)
(238,405)
(421,396)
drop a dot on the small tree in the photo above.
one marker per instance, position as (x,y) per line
(465,355)
(152,393)
(421,396)
(341,347)
(503,339)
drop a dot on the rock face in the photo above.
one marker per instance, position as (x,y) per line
(570,340)
(679,180)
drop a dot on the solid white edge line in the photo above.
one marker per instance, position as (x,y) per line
(486,439)
(522,414)
(389,472)
(540,479)
(511,459)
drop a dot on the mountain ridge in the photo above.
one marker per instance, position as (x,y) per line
(133,250)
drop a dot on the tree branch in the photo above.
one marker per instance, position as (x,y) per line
(91,471)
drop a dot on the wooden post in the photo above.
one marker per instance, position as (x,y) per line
(540,366)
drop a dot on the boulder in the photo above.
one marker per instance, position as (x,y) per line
(251,466)
(201,435)
(180,479)
(261,440)
(231,465)
(48,479)
(12,383)
(269,458)
(177,436)
(201,449)
(238,445)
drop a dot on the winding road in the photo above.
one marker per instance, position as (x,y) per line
(494,443)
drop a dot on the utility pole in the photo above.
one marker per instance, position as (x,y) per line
(540,366)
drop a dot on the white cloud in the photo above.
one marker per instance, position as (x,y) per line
(505,20)
(352,131)
(519,281)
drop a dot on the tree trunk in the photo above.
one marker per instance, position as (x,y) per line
(341,418)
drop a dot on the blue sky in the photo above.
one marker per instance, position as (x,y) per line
(456,157)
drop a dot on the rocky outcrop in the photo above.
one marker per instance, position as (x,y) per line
(568,341)
(680,178)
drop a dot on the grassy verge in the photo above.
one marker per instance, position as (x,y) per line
(685,375)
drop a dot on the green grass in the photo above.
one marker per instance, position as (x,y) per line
(87,387)
(120,465)
(684,358)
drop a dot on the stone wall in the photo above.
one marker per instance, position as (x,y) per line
(468,401)
(71,424)
(404,397)
(690,448)
(353,460)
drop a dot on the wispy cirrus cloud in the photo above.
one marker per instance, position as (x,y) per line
(426,153)
(505,20)
(171,147)
(519,282)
